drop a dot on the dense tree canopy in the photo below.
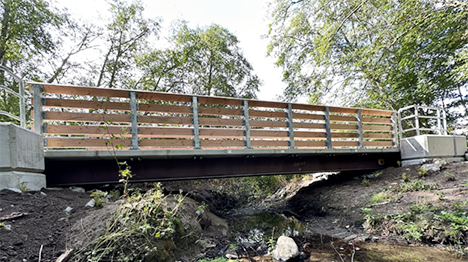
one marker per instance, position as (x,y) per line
(375,53)
(203,61)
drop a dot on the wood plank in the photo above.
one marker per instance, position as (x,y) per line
(258,133)
(84,91)
(376,128)
(83,142)
(308,116)
(270,104)
(86,117)
(166,120)
(270,114)
(378,135)
(303,134)
(375,112)
(166,143)
(205,121)
(347,110)
(269,143)
(308,107)
(85,104)
(378,144)
(219,111)
(172,109)
(309,143)
(337,144)
(165,132)
(222,143)
(219,101)
(261,123)
(337,118)
(343,127)
(84,130)
(221,133)
(344,135)
(375,120)
(308,125)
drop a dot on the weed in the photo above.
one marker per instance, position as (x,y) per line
(115,193)
(422,171)
(366,182)
(416,185)
(377,174)
(24,187)
(99,197)
(218,259)
(2,224)
(440,195)
(380,198)
(406,177)
(201,209)
(449,176)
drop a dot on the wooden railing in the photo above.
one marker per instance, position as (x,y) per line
(89,117)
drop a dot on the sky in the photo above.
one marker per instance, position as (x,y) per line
(244,18)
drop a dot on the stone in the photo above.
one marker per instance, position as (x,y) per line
(433,167)
(78,189)
(231,254)
(90,203)
(285,249)
(68,209)
(44,194)
(15,190)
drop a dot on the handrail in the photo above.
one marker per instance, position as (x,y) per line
(441,127)
(20,95)
(149,120)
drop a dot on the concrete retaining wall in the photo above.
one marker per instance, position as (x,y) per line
(21,158)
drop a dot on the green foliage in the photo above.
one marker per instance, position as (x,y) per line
(218,259)
(422,171)
(366,182)
(24,187)
(377,174)
(380,198)
(449,176)
(204,61)
(99,197)
(416,185)
(379,53)
(406,177)
(145,228)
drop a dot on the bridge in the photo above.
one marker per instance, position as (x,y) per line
(86,131)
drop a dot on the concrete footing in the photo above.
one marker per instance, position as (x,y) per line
(21,158)
(418,149)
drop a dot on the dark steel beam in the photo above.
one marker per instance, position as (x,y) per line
(63,172)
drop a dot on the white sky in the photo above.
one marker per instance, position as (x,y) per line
(244,18)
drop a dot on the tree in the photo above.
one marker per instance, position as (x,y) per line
(375,53)
(205,61)
(125,35)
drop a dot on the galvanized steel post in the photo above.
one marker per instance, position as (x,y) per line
(246,122)
(327,127)
(196,123)
(416,120)
(22,104)
(291,126)
(135,143)
(359,128)
(395,129)
(37,95)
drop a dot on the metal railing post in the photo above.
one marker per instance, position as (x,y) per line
(439,126)
(327,127)
(196,124)
(37,95)
(416,120)
(291,126)
(359,128)
(246,122)
(134,129)
(22,105)
(445,122)
(395,129)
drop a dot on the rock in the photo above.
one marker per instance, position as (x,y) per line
(68,209)
(78,189)
(434,167)
(90,203)
(44,194)
(7,227)
(285,249)
(15,190)
(231,254)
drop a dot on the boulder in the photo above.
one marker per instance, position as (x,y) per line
(285,249)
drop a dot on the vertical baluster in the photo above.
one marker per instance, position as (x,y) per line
(22,104)
(289,114)
(38,120)
(395,129)
(359,128)
(196,123)
(246,122)
(445,121)
(134,119)
(327,127)
(416,119)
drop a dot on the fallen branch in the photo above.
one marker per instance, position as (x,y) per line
(40,253)
(12,216)
(65,256)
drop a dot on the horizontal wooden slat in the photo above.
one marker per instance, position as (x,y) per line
(343,127)
(222,143)
(257,133)
(378,135)
(336,144)
(166,120)
(259,113)
(85,117)
(269,143)
(145,131)
(260,123)
(84,142)
(171,109)
(376,128)
(344,135)
(221,133)
(308,125)
(375,112)
(219,101)
(343,118)
(309,143)
(308,107)
(308,116)
(204,121)
(375,120)
(219,111)
(165,132)
(271,104)
(166,143)
(303,134)
(378,144)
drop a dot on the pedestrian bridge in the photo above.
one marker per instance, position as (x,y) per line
(177,136)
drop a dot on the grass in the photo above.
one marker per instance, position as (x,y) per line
(380,198)
(416,185)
